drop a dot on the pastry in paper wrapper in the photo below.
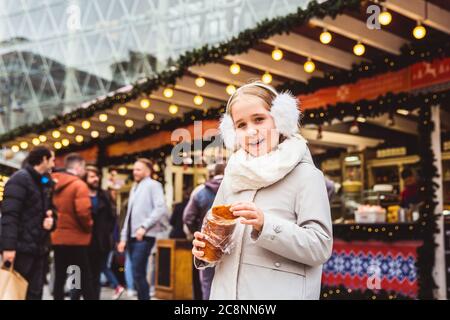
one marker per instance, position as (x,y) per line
(218,228)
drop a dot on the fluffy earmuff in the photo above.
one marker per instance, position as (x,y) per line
(284,110)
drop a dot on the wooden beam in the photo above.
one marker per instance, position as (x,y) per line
(340,139)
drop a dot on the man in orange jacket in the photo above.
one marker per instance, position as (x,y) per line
(73,232)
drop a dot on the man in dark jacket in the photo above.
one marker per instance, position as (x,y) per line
(102,231)
(28,218)
(194,213)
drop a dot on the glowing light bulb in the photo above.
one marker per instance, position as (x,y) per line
(149,117)
(24,144)
(419,31)
(15,148)
(57,145)
(85,124)
(56,134)
(309,66)
(198,100)
(145,103)
(122,111)
(110,129)
(79,138)
(359,49)
(235,68)
(65,142)
(36,141)
(42,138)
(70,129)
(325,37)
(385,18)
(103,117)
(95,134)
(230,89)
(277,54)
(129,123)
(266,78)
(200,82)
(168,92)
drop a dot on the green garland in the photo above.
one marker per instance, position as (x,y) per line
(412,53)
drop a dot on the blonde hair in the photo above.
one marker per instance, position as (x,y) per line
(256,89)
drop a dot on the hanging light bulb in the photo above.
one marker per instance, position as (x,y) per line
(70,129)
(110,129)
(103,117)
(36,141)
(385,17)
(85,124)
(129,123)
(230,89)
(173,108)
(325,37)
(65,142)
(235,68)
(277,54)
(198,100)
(79,138)
(200,82)
(266,78)
(309,66)
(359,49)
(168,92)
(24,144)
(145,103)
(122,111)
(15,148)
(42,138)
(95,134)
(56,134)
(419,31)
(57,145)
(149,117)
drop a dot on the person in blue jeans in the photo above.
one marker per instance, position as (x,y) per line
(146,208)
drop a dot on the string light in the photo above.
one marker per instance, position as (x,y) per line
(85,124)
(277,54)
(15,148)
(325,37)
(149,117)
(129,123)
(110,129)
(309,66)
(65,142)
(145,103)
(103,117)
(79,138)
(70,129)
(56,134)
(57,145)
(198,100)
(200,82)
(359,49)
(266,78)
(168,92)
(385,17)
(42,138)
(95,134)
(231,89)
(122,111)
(419,31)
(235,68)
(173,108)
(24,144)
(36,141)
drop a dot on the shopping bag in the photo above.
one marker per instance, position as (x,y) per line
(12,285)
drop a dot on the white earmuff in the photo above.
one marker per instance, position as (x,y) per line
(284,110)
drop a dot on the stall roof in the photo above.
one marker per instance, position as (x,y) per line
(132,109)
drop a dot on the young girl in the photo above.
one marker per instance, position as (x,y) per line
(284,235)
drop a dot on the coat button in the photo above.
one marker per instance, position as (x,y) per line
(277,264)
(277,228)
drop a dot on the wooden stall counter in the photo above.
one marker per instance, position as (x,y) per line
(173,269)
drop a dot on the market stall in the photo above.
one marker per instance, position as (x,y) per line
(368,99)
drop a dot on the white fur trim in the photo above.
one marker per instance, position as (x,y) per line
(228,132)
(286,114)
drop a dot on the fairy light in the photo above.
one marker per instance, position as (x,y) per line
(122,111)
(57,145)
(325,37)
(42,138)
(266,78)
(309,66)
(230,89)
(70,129)
(110,129)
(149,117)
(277,54)
(145,103)
(173,108)
(103,117)
(85,124)
(79,138)
(95,134)
(15,148)
(385,17)
(359,49)
(36,141)
(200,82)
(419,31)
(168,92)
(198,100)
(235,68)
(56,134)
(65,142)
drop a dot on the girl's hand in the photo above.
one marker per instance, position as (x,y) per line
(197,245)
(252,215)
